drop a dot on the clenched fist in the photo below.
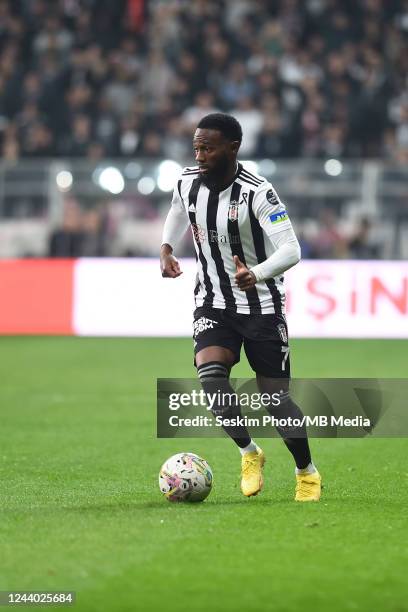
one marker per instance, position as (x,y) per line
(244,278)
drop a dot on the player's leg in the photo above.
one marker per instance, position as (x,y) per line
(308,480)
(217,349)
(214,364)
(213,367)
(295,438)
(269,358)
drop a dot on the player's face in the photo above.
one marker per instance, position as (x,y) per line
(214,154)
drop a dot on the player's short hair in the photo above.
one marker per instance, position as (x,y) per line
(226,124)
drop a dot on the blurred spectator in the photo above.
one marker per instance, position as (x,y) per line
(96,151)
(52,37)
(151,146)
(270,142)
(251,120)
(306,246)
(334,141)
(66,241)
(105,125)
(236,86)
(82,233)
(39,141)
(129,136)
(312,120)
(176,144)
(11,144)
(93,242)
(120,89)
(362,244)
(203,105)
(329,242)
(76,143)
(157,78)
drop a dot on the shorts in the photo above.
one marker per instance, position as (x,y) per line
(265,338)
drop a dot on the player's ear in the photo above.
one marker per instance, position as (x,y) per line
(235,144)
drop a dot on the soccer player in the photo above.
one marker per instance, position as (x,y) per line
(244,242)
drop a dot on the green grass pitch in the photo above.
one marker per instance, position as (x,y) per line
(81,508)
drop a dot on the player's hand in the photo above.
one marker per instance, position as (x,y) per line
(244,278)
(169,266)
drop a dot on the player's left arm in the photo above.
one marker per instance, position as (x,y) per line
(274,220)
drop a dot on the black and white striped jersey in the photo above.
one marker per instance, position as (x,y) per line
(236,221)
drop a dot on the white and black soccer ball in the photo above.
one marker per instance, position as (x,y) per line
(185,477)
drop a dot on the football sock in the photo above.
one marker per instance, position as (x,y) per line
(250,448)
(295,438)
(309,469)
(214,378)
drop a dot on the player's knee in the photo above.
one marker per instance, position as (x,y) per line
(266,384)
(214,378)
(215,354)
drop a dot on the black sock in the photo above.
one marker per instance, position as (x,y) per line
(295,438)
(213,376)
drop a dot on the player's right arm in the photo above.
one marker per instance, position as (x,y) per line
(175,227)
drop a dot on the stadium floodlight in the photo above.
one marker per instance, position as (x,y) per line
(64,180)
(111,179)
(146,185)
(267,167)
(333,167)
(251,166)
(168,173)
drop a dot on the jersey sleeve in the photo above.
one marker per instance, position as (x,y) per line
(286,254)
(269,210)
(177,220)
(176,201)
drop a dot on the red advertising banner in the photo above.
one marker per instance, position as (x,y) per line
(36,296)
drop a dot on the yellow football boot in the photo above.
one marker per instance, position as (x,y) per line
(308,487)
(251,472)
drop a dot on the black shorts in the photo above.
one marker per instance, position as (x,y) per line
(265,338)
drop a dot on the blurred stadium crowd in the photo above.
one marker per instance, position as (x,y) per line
(124,78)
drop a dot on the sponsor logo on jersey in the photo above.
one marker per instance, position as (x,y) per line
(279,217)
(198,232)
(191,208)
(214,236)
(200,236)
(202,324)
(282,333)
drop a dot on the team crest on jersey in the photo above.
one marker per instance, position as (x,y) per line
(233,210)
(282,333)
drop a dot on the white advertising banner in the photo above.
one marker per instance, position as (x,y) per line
(325,299)
(348,299)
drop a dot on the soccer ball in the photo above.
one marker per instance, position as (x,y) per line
(185,477)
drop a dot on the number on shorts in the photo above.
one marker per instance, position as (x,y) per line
(285,351)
